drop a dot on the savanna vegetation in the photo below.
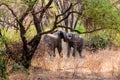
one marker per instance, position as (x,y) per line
(23,23)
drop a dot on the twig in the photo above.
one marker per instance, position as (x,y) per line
(68,16)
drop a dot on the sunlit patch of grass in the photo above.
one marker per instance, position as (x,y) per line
(117,39)
(11,35)
(31,32)
(46,28)
(80,28)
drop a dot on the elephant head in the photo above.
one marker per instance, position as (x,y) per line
(69,36)
(62,35)
(75,41)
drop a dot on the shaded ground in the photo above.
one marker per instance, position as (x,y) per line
(102,65)
(58,75)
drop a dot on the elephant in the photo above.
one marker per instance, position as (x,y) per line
(75,41)
(54,40)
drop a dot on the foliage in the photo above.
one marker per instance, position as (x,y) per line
(97,42)
(3,61)
(3,39)
(101,13)
(11,35)
(29,2)
(3,66)
(16,67)
(31,32)
(80,28)
(8,36)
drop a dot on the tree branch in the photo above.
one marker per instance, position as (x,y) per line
(82,32)
(27,12)
(68,16)
(40,11)
(44,10)
(65,11)
(9,24)
(13,13)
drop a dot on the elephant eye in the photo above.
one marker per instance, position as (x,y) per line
(69,36)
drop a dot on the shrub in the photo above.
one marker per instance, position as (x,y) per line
(104,15)
(80,28)
(97,42)
(3,66)
(3,40)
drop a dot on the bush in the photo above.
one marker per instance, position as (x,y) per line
(97,42)
(3,66)
(80,28)
(104,15)
(100,13)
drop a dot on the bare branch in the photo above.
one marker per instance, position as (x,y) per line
(27,12)
(41,11)
(28,26)
(65,11)
(68,16)
(13,13)
(102,28)
(76,21)
(44,10)
(9,24)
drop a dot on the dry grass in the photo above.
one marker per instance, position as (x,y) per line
(104,64)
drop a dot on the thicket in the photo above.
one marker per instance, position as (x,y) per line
(102,18)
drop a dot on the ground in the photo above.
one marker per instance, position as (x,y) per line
(102,65)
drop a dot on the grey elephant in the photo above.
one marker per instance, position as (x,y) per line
(54,41)
(75,41)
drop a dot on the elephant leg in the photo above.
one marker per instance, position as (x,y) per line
(53,51)
(80,52)
(68,50)
(50,50)
(74,51)
(60,49)
(49,53)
